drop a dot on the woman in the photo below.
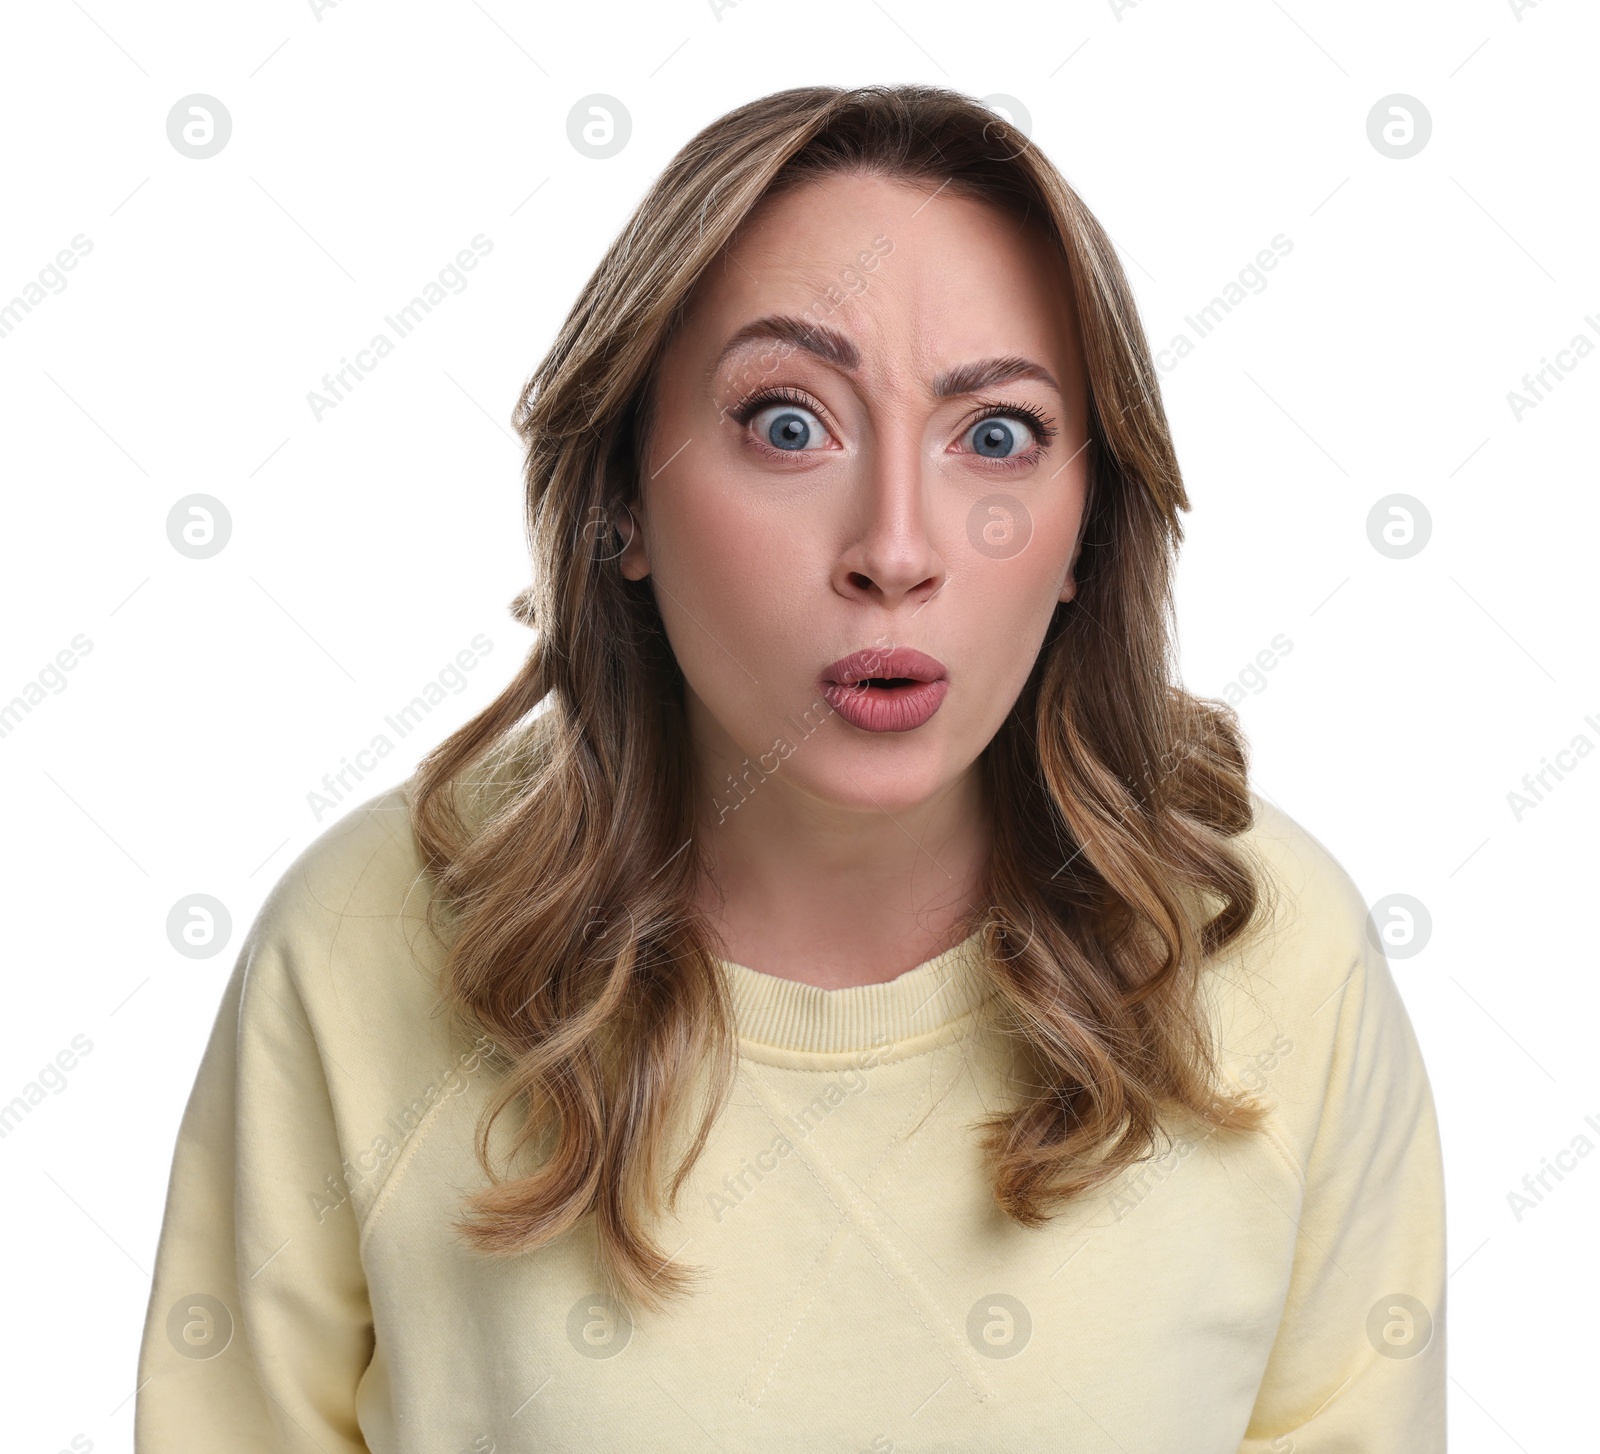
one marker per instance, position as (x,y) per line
(842,994)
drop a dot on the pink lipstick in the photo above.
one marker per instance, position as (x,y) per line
(882,689)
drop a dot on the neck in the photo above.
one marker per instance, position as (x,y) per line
(842,896)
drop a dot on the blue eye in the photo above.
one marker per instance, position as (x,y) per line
(999,437)
(789,427)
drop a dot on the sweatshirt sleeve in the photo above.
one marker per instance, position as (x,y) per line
(259,1327)
(1358,1364)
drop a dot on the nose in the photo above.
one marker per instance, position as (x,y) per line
(891,556)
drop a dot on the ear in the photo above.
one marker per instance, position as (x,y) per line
(634,559)
(1069,586)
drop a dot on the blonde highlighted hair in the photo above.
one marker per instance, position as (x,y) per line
(556,838)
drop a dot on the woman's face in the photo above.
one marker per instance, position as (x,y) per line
(869,438)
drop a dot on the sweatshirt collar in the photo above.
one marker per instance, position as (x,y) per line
(782,1021)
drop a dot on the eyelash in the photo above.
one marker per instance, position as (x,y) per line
(1036,419)
(747,408)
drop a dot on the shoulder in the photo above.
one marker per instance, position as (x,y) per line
(1304,996)
(343,944)
(339,1014)
(1311,917)
(365,867)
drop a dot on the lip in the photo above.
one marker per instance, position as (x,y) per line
(900,708)
(875,661)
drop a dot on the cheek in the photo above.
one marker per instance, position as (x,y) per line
(1008,603)
(729,584)
(1007,610)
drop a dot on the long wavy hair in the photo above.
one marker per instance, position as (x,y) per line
(557,824)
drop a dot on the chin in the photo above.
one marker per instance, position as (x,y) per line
(878,779)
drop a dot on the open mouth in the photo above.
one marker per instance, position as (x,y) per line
(885,690)
(879,666)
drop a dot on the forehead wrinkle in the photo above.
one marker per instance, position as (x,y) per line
(818,339)
(831,346)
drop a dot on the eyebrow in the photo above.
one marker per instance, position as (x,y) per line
(986,373)
(826,343)
(834,348)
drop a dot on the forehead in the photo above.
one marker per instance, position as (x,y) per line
(903,269)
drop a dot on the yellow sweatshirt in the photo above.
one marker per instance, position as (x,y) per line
(1284,1292)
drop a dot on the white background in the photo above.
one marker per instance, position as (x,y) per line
(371,143)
